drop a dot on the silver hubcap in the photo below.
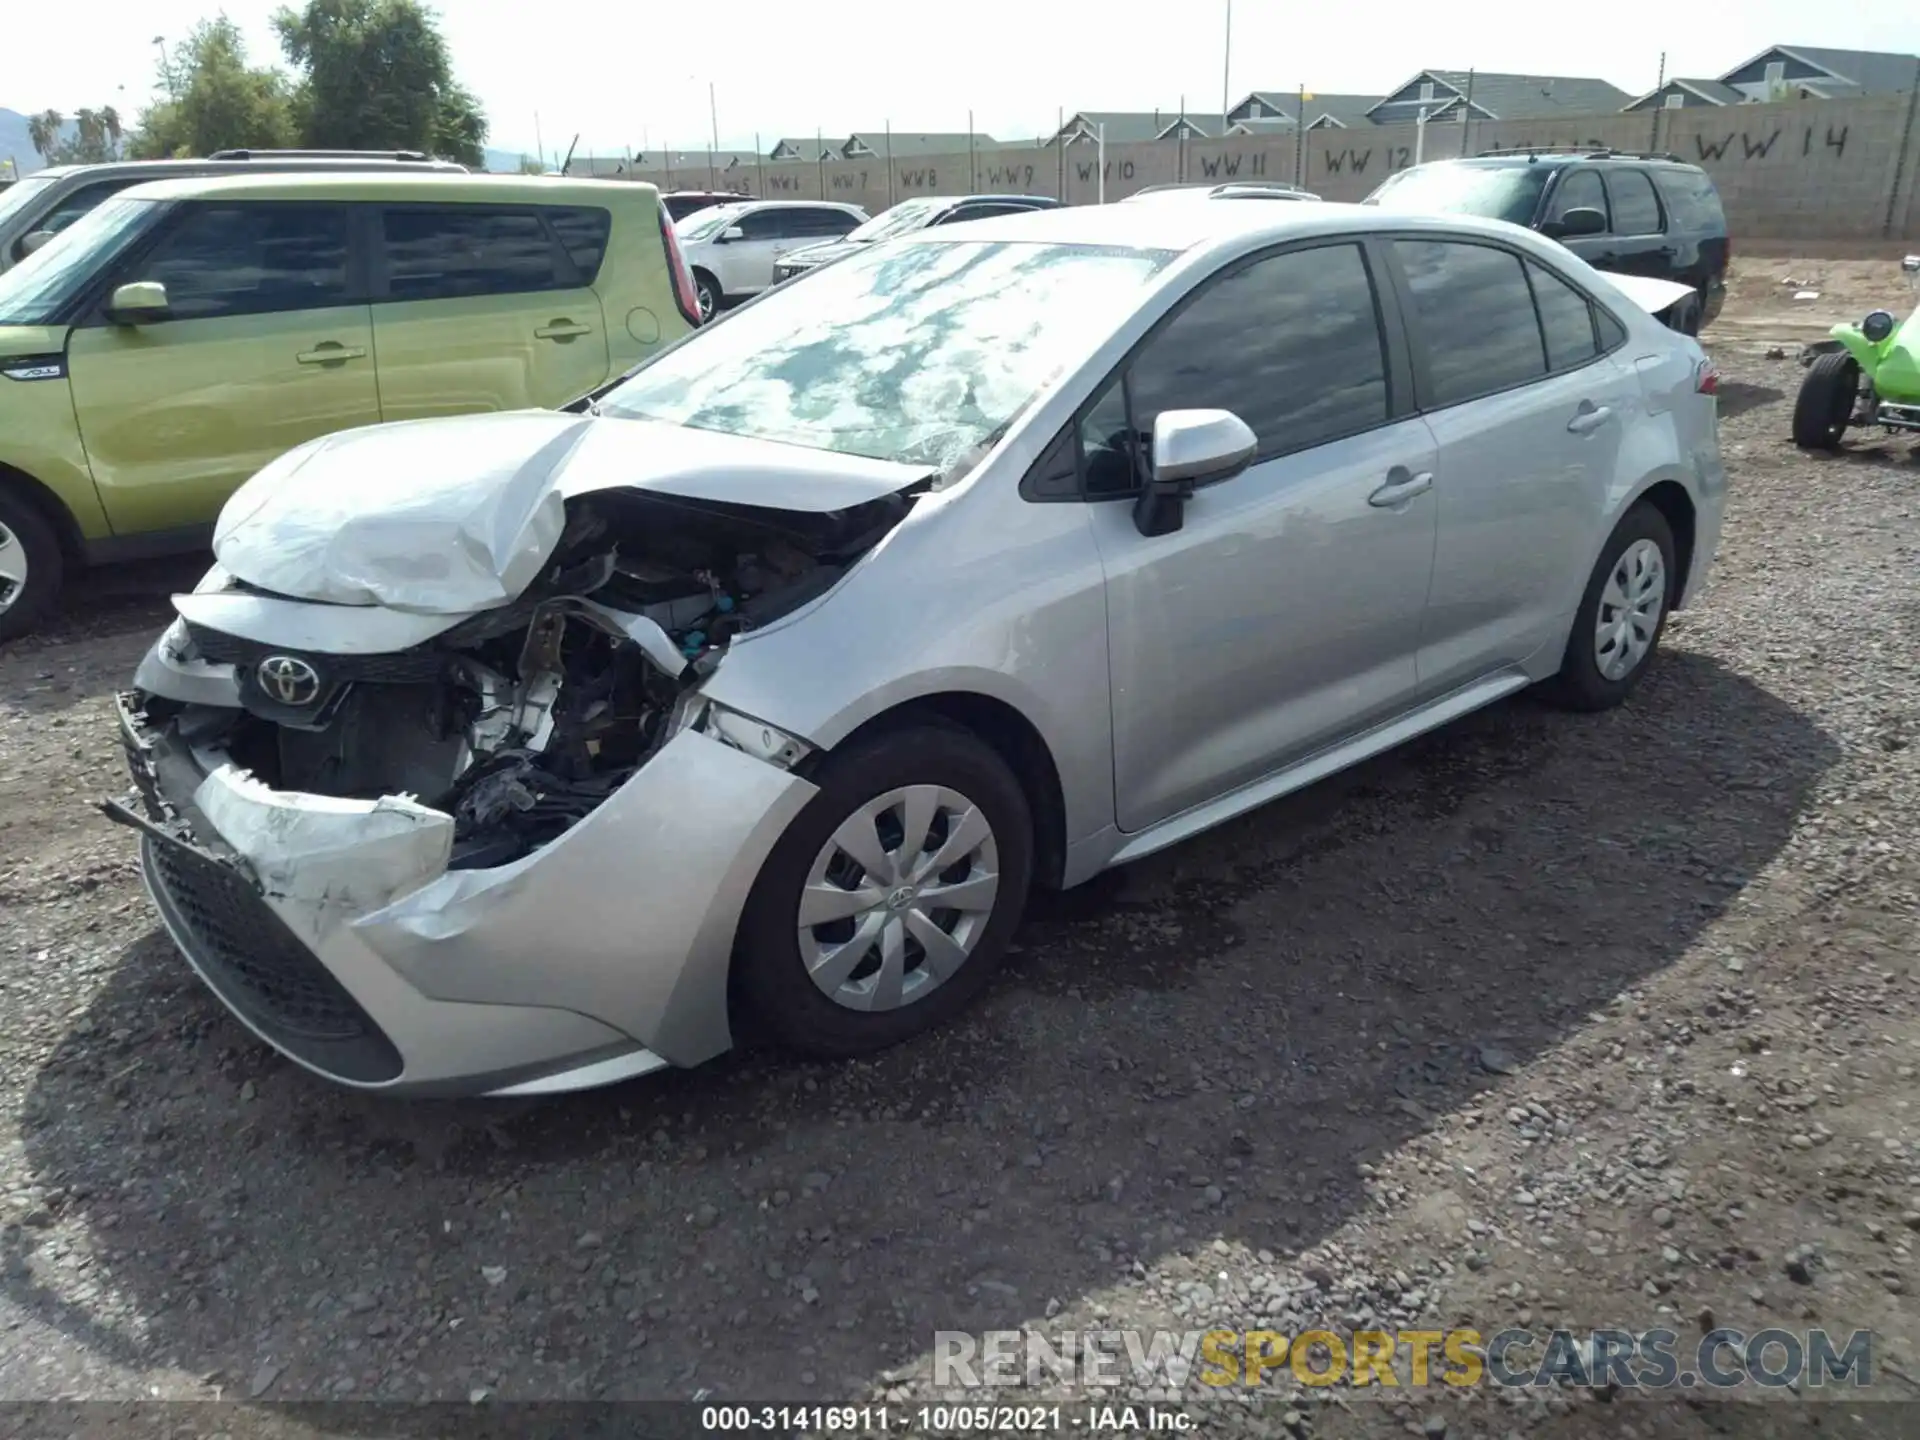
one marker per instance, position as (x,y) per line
(1630,606)
(13,568)
(704,295)
(897,900)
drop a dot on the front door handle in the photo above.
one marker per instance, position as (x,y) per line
(562,330)
(1589,417)
(1402,485)
(331,352)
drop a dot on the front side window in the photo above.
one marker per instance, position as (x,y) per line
(454,252)
(1578,190)
(81,202)
(921,353)
(249,258)
(705,224)
(1291,344)
(42,286)
(1474,311)
(1636,211)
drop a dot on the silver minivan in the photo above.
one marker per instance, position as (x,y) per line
(524,752)
(39,206)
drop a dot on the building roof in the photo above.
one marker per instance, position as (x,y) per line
(1714,92)
(1266,125)
(1191,122)
(1518,97)
(1870,72)
(805,147)
(918,142)
(1347,109)
(1122,126)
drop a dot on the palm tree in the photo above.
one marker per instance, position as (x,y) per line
(43,130)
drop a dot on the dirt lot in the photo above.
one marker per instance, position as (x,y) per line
(1603,1020)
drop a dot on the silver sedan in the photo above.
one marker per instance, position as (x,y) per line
(524,752)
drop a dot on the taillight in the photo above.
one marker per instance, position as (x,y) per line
(1706,379)
(684,295)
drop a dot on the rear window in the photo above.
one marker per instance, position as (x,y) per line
(1693,201)
(583,230)
(454,252)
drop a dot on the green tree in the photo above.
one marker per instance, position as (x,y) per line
(376,75)
(216,101)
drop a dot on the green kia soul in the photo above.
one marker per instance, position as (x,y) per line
(184,333)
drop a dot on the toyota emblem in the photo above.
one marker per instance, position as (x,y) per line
(289,679)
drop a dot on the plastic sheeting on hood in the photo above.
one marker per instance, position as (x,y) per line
(453,516)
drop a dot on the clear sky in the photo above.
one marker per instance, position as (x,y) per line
(621,73)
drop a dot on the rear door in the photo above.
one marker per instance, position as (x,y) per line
(1527,407)
(267,345)
(480,307)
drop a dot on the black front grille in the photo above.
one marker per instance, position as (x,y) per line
(420,665)
(260,968)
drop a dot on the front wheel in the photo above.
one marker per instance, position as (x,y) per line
(1827,398)
(1621,616)
(31,565)
(887,905)
(706,292)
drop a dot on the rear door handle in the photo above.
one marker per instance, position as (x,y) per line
(331,352)
(1402,485)
(562,330)
(1589,417)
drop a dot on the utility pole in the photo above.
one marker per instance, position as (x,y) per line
(1226,74)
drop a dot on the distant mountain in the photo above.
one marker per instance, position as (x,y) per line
(500,161)
(16,145)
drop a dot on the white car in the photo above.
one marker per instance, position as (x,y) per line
(731,249)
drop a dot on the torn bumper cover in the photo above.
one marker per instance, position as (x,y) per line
(336,931)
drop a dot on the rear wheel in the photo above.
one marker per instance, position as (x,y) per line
(1621,616)
(889,902)
(30,565)
(1827,397)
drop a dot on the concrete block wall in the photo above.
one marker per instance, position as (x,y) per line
(1807,169)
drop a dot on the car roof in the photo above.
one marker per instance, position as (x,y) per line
(1563,157)
(789,204)
(260,163)
(393,184)
(1202,227)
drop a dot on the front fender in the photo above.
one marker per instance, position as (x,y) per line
(1864,351)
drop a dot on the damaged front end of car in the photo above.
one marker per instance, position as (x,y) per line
(492,852)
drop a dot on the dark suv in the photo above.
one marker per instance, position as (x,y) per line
(1638,214)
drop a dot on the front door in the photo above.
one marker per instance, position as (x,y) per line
(266,344)
(1284,614)
(480,307)
(1528,413)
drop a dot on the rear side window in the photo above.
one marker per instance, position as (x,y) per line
(1566,320)
(1693,201)
(583,230)
(460,251)
(1475,314)
(249,259)
(1636,210)
(830,223)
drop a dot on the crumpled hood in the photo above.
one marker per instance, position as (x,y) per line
(452,516)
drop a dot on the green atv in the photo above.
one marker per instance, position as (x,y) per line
(1868,374)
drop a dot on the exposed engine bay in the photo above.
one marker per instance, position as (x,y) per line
(520,720)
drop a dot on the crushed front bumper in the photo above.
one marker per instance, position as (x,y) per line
(336,932)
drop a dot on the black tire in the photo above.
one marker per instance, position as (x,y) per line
(1580,685)
(25,603)
(1825,405)
(708,294)
(769,974)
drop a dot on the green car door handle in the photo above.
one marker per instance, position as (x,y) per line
(562,330)
(330,352)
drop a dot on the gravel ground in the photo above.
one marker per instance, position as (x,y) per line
(1601,1020)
